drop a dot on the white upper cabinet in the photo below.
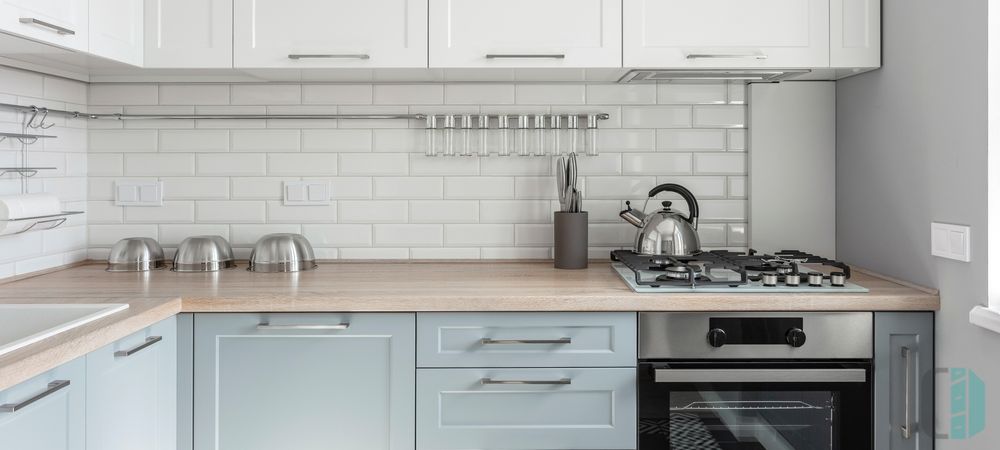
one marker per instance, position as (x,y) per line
(525,33)
(59,22)
(189,34)
(116,30)
(726,33)
(855,33)
(330,33)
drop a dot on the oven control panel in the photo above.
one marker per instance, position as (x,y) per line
(756,331)
(756,335)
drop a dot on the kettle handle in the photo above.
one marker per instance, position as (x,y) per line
(684,192)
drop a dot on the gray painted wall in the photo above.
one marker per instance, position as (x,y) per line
(911,149)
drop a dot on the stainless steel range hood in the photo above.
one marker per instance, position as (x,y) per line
(654,75)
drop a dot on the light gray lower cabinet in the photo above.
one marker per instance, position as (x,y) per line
(304,381)
(132,391)
(46,412)
(539,409)
(904,381)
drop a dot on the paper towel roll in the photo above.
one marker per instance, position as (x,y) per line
(21,206)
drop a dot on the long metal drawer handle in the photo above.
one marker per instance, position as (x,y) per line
(149,341)
(724,56)
(525,56)
(268,326)
(907,428)
(561,381)
(51,26)
(488,341)
(329,56)
(760,376)
(52,388)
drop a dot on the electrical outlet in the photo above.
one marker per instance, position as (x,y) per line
(951,241)
(138,193)
(307,193)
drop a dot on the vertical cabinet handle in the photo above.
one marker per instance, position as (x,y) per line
(58,29)
(52,388)
(907,428)
(149,341)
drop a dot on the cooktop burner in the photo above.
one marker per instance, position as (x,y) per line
(724,271)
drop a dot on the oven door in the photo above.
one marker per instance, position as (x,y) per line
(755,405)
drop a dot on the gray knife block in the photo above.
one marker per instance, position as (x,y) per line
(570,237)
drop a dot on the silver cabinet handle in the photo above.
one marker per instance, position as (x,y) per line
(907,428)
(488,341)
(337,326)
(149,341)
(51,26)
(760,376)
(525,56)
(51,389)
(561,381)
(724,56)
(329,56)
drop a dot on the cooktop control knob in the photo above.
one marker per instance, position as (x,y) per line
(795,337)
(716,337)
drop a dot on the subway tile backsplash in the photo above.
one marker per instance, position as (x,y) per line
(388,200)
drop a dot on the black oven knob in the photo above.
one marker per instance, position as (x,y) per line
(795,337)
(716,337)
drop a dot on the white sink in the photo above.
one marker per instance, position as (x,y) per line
(25,324)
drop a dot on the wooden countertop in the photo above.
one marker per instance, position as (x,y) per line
(380,287)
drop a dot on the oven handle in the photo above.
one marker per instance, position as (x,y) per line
(761,376)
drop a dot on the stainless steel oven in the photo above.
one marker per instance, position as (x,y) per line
(742,381)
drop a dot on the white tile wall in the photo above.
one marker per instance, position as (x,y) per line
(388,200)
(33,251)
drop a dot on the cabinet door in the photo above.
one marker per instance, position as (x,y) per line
(59,22)
(536,409)
(904,381)
(726,33)
(330,33)
(304,381)
(49,410)
(132,391)
(525,33)
(116,30)
(188,34)
(855,33)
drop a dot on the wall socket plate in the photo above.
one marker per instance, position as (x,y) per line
(138,193)
(951,241)
(306,193)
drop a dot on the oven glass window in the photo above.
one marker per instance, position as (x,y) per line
(751,420)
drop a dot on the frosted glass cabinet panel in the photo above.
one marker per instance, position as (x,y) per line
(188,33)
(304,381)
(726,33)
(330,33)
(525,33)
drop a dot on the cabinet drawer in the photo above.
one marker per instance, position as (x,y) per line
(499,409)
(526,340)
(50,410)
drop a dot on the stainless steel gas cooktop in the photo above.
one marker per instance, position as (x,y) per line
(726,271)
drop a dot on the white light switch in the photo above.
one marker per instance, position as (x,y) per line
(307,193)
(951,241)
(138,193)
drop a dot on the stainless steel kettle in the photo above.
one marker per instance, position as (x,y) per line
(666,232)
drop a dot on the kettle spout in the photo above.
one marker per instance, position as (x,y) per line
(632,216)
